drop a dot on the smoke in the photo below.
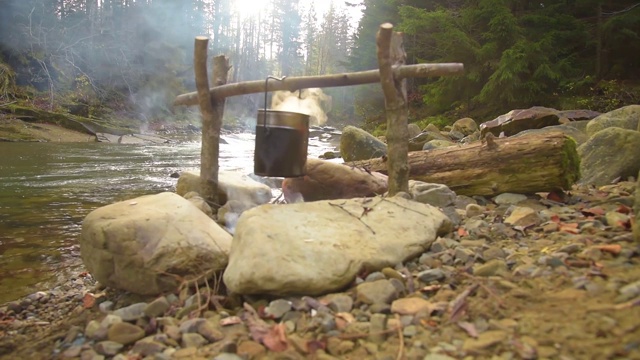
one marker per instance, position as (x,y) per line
(313,102)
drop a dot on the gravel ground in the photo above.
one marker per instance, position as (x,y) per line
(549,276)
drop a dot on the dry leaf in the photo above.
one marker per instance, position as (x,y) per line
(276,338)
(231,320)
(88,301)
(462,232)
(596,211)
(469,328)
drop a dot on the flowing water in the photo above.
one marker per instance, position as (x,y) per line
(46,190)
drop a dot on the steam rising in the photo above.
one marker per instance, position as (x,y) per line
(313,102)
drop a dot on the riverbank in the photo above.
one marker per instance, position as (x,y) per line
(12,129)
(566,288)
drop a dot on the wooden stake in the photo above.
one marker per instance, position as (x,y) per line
(212,113)
(391,53)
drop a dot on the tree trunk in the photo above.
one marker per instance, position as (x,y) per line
(523,164)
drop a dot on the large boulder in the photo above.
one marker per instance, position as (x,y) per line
(536,117)
(325,180)
(357,144)
(627,117)
(636,211)
(466,126)
(147,244)
(320,247)
(610,154)
(572,130)
(232,185)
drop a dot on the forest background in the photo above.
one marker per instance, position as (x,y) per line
(128,59)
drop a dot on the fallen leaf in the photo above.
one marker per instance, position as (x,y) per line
(596,211)
(231,320)
(614,249)
(556,196)
(469,328)
(88,301)
(623,209)
(276,338)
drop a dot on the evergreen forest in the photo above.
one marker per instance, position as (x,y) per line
(130,58)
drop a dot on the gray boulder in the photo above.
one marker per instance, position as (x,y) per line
(636,211)
(438,195)
(357,144)
(466,126)
(320,247)
(417,143)
(627,117)
(571,129)
(145,245)
(435,144)
(232,185)
(610,154)
(414,130)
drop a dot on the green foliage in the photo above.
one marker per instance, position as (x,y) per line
(602,96)
(439,120)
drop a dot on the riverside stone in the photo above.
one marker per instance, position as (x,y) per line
(232,185)
(376,292)
(357,144)
(438,195)
(627,117)
(135,244)
(609,154)
(125,333)
(411,306)
(131,312)
(315,256)
(466,126)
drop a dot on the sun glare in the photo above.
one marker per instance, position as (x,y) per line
(249,8)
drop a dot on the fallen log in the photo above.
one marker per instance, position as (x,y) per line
(525,164)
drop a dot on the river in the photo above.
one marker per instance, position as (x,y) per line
(46,190)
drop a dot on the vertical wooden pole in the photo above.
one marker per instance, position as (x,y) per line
(212,112)
(391,53)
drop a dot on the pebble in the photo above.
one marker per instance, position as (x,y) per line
(490,268)
(131,312)
(340,303)
(411,306)
(379,291)
(431,275)
(125,333)
(108,348)
(472,210)
(193,340)
(277,308)
(509,199)
(157,307)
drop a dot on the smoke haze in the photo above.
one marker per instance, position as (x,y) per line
(313,102)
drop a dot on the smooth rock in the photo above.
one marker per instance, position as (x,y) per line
(627,117)
(340,302)
(125,333)
(472,210)
(131,245)
(417,143)
(523,216)
(314,256)
(609,154)
(325,180)
(509,199)
(148,348)
(193,340)
(466,126)
(411,306)
(430,275)
(376,292)
(438,195)
(277,308)
(131,312)
(357,144)
(490,268)
(436,144)
(232,185)
(199,202)
(157,307)
(484,341)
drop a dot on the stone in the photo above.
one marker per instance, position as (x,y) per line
(515,121)
(627,117)
(357,144)
(193,340)
(131,312)
(376,292)
(414,130)
(484,341)
(430,275)
(210,331)
(108,348)
(472,210)
(157,307)
(572,129)
(636,208)
(523,216)
(325,180)
(490,268)
(466,126)
(199,202)
(232,185)
(148,348)
(135,244)
(418,142)
(438,195)
(340,302)
(316,257)
(250,349)
(125,333)
(277,308)
(610,154)
(509,199)
(436,144)
(412,306)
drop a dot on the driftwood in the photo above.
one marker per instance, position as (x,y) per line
(524,164)
(391,53)
(336,80)
(212,111)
